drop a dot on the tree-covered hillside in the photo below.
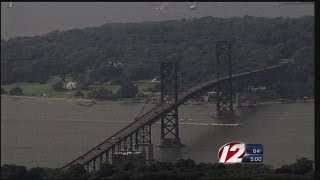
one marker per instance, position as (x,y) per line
(85,54)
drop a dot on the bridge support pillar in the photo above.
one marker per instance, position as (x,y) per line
(169,91)
(136,148)
(170,130)
(143,143)
(225,89)
(251,96)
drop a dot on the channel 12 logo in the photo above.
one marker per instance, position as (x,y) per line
(238,152)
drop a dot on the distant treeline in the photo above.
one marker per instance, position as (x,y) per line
(86,54)
(182,169)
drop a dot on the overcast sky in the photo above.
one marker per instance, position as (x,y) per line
(37,18)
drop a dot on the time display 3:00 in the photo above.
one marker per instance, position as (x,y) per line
(252,158)
(256,159)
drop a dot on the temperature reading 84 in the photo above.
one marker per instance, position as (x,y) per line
(256,151)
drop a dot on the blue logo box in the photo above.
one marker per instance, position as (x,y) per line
(254,149)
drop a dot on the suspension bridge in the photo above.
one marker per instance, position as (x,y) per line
(136,136)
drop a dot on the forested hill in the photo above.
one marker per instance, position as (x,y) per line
(85,53)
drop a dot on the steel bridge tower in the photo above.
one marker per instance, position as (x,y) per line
(224,90)
(169,92)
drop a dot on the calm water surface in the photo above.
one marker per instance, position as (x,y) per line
(42,132)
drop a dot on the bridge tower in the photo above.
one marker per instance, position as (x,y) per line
(169,92)
(224,90)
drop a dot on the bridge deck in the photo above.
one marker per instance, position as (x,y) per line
(153,115)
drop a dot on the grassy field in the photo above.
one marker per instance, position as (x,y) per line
(39,90)
(36,89)
(144,85)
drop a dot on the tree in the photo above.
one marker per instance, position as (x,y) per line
(74,172)
(3,91)
(101,94)
(58,86)
(78,94)
(105,73)
(185,163)
(127,90)
(258,42)
(63,77)
(82,81)
(182,169)
(13,172)
(302,166)
(105,171)
(283,169)
(16,91)
(39,173)
(121,175)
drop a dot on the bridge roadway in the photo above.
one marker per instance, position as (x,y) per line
(154,114)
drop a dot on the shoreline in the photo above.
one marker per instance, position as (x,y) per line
(50,98)
(90,102)
(77,101)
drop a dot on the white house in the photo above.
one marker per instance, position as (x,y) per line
(155,80)
(71,85)
(115,64)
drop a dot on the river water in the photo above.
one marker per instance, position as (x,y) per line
(50,133)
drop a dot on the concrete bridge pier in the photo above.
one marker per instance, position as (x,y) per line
(170,142)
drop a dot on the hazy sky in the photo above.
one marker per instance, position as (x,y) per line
(36,18)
